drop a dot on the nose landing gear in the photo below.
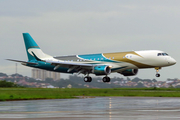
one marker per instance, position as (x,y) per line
(157,70)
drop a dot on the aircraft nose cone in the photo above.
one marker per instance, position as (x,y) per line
(172,61)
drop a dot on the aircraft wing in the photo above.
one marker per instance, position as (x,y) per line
(79,67)
(83,68)
(22,61)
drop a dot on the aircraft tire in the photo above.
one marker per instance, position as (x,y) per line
(106,79)
(157,75)
(90,79)
(87,79)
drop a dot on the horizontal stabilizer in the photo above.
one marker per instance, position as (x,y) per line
(22,61)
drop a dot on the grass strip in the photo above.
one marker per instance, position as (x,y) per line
(58,93)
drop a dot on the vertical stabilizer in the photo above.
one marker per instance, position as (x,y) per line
(33,49)
(29,44)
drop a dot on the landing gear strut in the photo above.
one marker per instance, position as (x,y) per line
(157,70)
(106,79)
(87,79)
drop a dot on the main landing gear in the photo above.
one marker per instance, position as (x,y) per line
(106,79)
(87,79)
(157,70)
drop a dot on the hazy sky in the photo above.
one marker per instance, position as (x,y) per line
(66,27)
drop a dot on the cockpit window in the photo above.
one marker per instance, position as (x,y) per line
(166,54)
(159,54)
(162,54)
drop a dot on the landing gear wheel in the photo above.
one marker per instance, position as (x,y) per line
(90,79)
(157,75)
(106,79)
(87,79)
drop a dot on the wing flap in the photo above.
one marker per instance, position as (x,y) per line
(79,67)
(62,63)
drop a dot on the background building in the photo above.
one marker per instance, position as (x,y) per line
(43,74)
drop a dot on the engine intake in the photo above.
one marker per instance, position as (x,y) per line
(129,72)
(102,70)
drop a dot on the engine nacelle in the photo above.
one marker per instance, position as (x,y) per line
(101,70)
(129,72)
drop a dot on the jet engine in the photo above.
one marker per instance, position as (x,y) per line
(129,72)
(101,70)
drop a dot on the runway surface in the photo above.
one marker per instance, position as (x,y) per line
(98,108)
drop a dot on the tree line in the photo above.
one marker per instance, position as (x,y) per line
(5,84)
